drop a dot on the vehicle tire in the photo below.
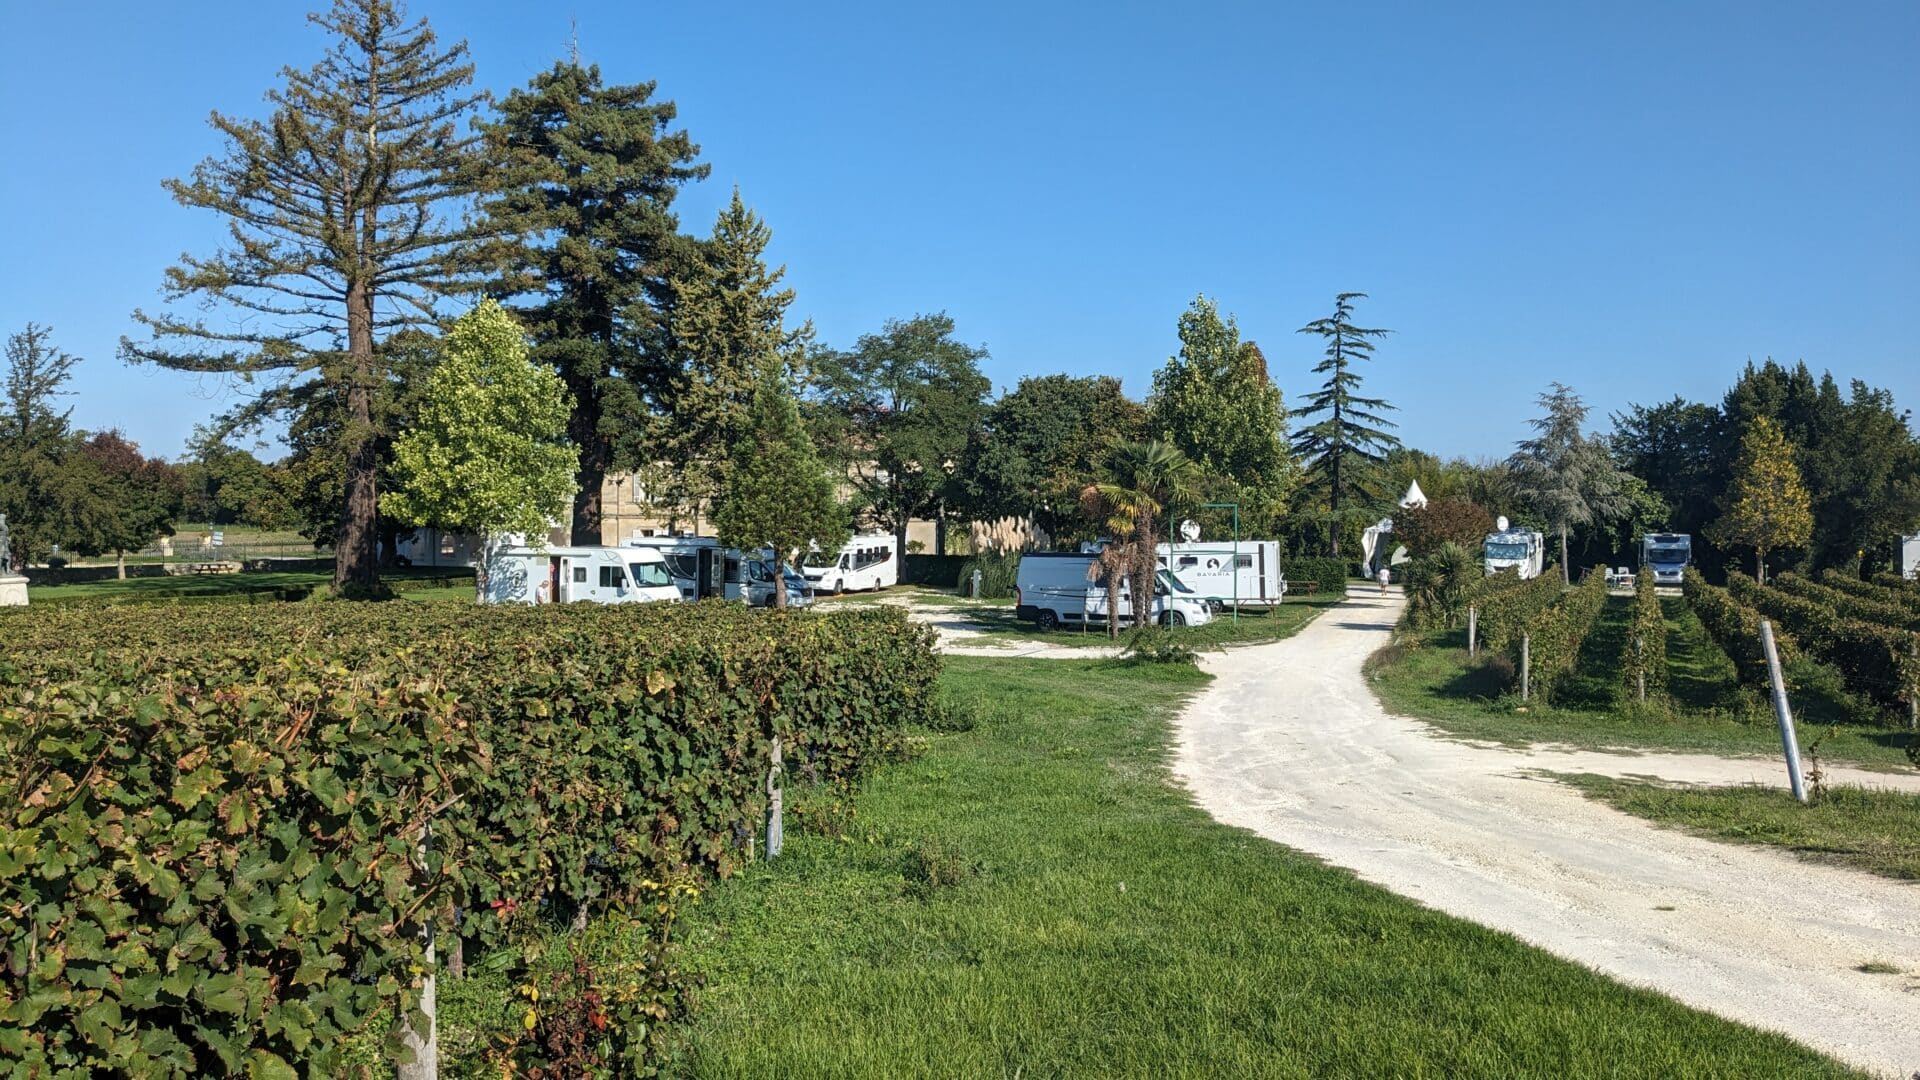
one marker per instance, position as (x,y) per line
(1048,619)
(839,586)
(1173,618)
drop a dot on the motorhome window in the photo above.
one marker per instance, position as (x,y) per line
(820,560)
(1669,552)
(1243,562)
(649,575)
(579,575)
(757,571)
(684,566)
(1169,581)
(1188,560)
(1507,551)
(612,578)
(733,568)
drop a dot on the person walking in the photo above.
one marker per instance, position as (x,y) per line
(1383,575)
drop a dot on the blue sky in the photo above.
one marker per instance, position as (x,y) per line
(1633,199)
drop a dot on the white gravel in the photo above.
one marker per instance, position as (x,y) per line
(1290,743)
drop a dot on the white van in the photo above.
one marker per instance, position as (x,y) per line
(567,575)
(1052,589)
(702,568)
(862,563)
(1225,572)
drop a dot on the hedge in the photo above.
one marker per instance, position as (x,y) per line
(208,852)
(1328,574)
(939,571)
(1735,627)
(1905,599)
(1555,633)
(1848,605)
(1506,608)
(1880,661)
(1643,663)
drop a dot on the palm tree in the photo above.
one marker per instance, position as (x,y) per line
(1110,567)
(1139,482)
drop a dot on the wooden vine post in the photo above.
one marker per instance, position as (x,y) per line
(1473,630)
(1526,663)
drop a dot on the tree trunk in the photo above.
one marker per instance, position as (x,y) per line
(939,530)
(1566,568)
(119,565)
(779,585)
(1333,495)
(583,427)
(1113,605)
(1760,565)
(1143,570)
(356,547)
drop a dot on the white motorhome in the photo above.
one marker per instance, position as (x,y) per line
(567,575)
(1224,572)
(1910,557)
(1053,589)
(862,563)
(1669,554)
(702,568)
(1524,550)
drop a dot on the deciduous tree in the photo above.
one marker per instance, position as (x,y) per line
(1422,529)
(140,497)
(487,451)
(345,222)
(1767,508)
(1038,443)
(1351,433)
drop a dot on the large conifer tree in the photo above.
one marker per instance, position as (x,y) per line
(340,234)
(1352,433)
(586,177)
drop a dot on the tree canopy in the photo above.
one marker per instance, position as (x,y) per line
(1351,432)
(1036,445)
(1564,475)
(779,495)
(1767,507)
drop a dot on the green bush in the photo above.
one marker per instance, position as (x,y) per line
(1508,605)
(1329,575)
(1735,627)
(1907,600)
(1848,604)
(1440,585)
(998,573)
(1879,661)
(1643,663)
(1153,644)
(1555,633)
(209,846)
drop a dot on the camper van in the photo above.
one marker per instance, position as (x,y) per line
(567,575)
(1669,554)
(1053,589)
(1225,572)
(1524,550)
(862,563)
(702,568)
(1910,557)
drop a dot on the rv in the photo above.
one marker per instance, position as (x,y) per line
(1225,572)
(702,568)
(1524,550)
(1910,557)
(566,575)
(1669,554)
(1053,589)
(862,563)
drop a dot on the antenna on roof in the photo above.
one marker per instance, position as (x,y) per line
(1500,523)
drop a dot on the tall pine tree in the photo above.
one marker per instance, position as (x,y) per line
(586,177)
(778,495)
(342,231)
(728,327)
(1352,434)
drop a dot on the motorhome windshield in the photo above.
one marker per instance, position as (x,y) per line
(820,560)
(1169,581)
(1668,553)
(646,575)
(1506,549)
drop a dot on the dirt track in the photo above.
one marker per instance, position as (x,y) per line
(1290,742)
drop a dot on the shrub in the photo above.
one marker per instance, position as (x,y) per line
(1643,664)
(1906,599)
(1555,633)
(1879,661)
(1507,608)
(1440,585)
(213,830)
(1329,575)
(998,573)
(1152,644)
(1848,605)
(1423,529)
(1735,628)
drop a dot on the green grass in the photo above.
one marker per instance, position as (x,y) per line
(1867,829)
(1108,927)
(1428,676)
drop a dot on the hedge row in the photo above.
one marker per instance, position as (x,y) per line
(1507,607)
(1846,604)
(1735,627)
(1879,661)
(1906,599)
(1555,633)
(1643,663)
(1328,574)
(999,574)
(210,852)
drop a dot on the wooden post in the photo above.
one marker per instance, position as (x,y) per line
(776,829)
(1526,661)
(1789,744)
(1473,630)
(425,1045)
(1913,692)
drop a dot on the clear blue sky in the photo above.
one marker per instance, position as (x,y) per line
(1633,199)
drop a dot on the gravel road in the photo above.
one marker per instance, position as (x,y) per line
(1290,743)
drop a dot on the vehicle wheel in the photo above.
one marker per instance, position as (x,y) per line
(839,586)
(1173,618)
(1049,620)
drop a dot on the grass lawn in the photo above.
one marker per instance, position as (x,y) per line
(1105,926)
(1866,829)
(1428,676)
